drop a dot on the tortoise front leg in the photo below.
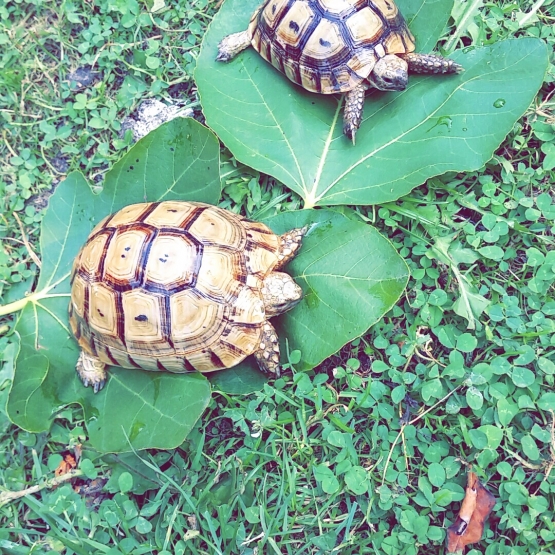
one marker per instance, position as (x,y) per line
(231,45)
(430,63)
(267,354)
(92,371)
(352,113)
(289,244)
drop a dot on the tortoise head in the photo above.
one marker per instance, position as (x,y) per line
(279,293)
(390,73)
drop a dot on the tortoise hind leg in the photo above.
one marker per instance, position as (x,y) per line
(431,63)
(92,371)
(267,354)
(231,45)
(352,113)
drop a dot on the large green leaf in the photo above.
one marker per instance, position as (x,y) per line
(179,160)
(350,276)
(440,123)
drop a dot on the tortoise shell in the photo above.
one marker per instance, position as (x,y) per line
(172,286)
(328,46)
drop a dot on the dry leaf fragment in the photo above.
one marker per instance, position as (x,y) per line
(68,463)
(475,509)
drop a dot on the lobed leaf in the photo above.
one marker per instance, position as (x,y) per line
(136,409)
(439,124)
(350,276)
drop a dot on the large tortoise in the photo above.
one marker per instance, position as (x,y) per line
(179,286)
(336,46)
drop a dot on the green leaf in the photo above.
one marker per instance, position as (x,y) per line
(440,123)
(125,482)
(493,434)
(436,474)
(398,393)
(350,276)
(326,542)
(546,365)
(506,410)
(239,380)
(474,398)
(466,343)
(530,448)
(470,304)
(326,477)
(138,409)
(549,160)
(443,497)
(522,377)
(356,479)
(492,251)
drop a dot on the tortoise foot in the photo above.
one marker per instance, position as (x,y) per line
(231,45)
(352,113)
(267,354)
(91,371)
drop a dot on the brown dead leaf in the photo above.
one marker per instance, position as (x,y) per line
(475,509)
(68,463)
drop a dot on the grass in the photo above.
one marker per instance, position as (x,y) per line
(316,462)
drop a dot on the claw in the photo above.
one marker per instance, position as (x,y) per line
(223,57)
(350,131)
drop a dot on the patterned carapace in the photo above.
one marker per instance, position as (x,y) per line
(172,286)
(328,46)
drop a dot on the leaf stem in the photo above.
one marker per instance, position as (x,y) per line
(10,308)
(310,199)
(20,304)
(9,496)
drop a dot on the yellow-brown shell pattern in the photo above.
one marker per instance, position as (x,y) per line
(172,286)
(328,46)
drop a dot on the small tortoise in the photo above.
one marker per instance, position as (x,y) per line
(336,46)
(179,286)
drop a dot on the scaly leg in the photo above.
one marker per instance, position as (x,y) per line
(267,354)
(231,45)
(431,63)
(92,371)
(352,113)
(289,244)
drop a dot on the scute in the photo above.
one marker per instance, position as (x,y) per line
(328,46)
(294,24)
(213,226)
(172,286)
(365,27)
(171,214)
(124,260)
(217,274)
(196,320)
(172,261)
(103,309)
(93,254)
(325,42)
(143,317)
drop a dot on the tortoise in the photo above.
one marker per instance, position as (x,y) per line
(179,286)
(336,46)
